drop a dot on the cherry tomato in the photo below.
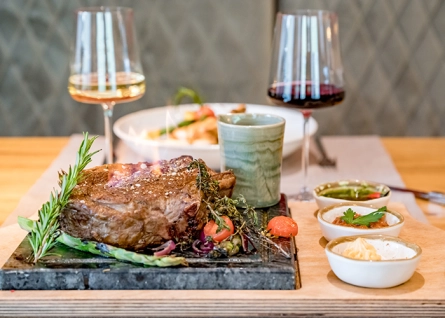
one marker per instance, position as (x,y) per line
(210,229)
(282,226)
(204,111)
(374,195)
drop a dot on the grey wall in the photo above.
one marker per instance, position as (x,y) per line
(394,59)
(393,52)
(217,47)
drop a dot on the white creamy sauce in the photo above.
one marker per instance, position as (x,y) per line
(388,250)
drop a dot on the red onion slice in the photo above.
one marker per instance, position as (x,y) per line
(195,247)
(165,248)
(202,236)
(245,243)
(207,246)
(201,248)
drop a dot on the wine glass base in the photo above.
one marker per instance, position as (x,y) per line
(303,195)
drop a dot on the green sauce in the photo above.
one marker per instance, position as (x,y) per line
(352,193)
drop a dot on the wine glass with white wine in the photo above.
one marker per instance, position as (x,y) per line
(105,65)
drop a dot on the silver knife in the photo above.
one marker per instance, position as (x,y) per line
(433,196)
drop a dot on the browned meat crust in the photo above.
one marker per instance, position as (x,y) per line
(135,206)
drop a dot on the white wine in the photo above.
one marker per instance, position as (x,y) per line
(92,89)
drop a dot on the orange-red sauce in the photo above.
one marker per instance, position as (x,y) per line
(373,225)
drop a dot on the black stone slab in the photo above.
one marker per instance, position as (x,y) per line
(73,269)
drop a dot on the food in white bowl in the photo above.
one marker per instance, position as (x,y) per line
(132,129)
(332,218)
(371,193)
(197,127)
(397,261)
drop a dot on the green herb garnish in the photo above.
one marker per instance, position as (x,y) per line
(169,130)
(177,99)
(43,233)
(186,92)
(245,221)
(348,217)
(219,206)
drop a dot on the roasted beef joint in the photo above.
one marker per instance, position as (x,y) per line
(136,206)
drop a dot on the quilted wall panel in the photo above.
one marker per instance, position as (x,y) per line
(393,52)
(219,48)
(394,60)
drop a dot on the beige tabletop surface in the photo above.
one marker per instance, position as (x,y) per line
(421,163)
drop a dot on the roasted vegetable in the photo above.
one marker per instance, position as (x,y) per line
(283,226)
(217,233)
(119,253)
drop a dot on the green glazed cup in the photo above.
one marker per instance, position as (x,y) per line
(252,146)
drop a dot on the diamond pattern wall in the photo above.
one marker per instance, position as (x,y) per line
(393,52)
(220,48)
(394,60)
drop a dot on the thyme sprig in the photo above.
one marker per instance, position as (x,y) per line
(219,206)
(216,215)
(44,231)
(228,206)
(210,188)
(204,181)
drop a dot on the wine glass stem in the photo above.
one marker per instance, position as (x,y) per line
(108,116)
(305,194)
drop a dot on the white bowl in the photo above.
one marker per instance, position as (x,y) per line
(398,263)
(132,128)
(331,231)
(323,201)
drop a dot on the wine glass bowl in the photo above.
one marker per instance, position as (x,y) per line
(306,71)
(86,88)
(105,65)
(292,96)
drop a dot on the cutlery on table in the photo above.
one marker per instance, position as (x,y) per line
(433,196)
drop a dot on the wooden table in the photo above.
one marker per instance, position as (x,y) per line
(22,161)
(321,294)
(420,162)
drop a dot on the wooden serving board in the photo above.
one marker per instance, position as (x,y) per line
(321,292)
(72,269)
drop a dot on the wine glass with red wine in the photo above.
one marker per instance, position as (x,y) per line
(306,71)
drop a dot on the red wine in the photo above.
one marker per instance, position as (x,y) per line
(292,96)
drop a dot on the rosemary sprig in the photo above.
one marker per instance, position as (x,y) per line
(45,231)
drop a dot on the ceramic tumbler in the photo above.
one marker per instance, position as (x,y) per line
(252,146)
